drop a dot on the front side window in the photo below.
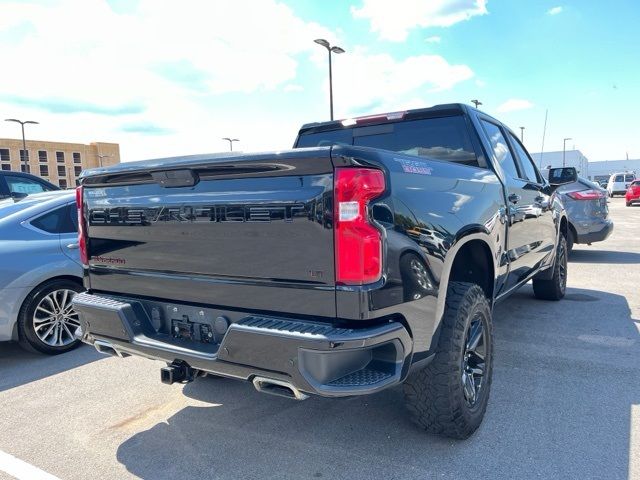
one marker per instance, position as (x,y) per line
(629,178)
(501,149)
(619,178)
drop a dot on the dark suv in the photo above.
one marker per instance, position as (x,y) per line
(19,184)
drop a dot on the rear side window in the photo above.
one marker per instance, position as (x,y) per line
(443,138)
(629,178)
(525,161)
(501,149)
(60,220)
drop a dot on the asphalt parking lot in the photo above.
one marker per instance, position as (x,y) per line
(565,403)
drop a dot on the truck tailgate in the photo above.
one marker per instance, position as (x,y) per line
(252,231)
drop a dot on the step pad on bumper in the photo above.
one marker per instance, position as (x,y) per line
(361,378)
(283,325)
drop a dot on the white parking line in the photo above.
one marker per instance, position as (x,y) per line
(22,470)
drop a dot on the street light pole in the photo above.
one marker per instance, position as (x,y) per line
(330,49)
(231,140)
(564,148)
(24,143)
(522,134)
(476,103)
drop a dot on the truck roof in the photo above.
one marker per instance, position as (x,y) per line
(413,114)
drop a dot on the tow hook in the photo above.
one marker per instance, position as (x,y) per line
(178,372)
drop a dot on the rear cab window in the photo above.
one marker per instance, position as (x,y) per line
(439,138)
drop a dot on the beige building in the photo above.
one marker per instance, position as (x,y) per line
(58,162)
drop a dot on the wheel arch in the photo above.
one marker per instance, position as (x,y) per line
(16,331)
(470,259)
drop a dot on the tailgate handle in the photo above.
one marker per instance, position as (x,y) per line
(175,178)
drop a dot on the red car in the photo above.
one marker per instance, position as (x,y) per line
(633,193)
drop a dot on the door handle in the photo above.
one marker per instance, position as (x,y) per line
(514,198)
(72,246)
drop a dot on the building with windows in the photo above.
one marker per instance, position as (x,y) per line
(571,158)
(58,162)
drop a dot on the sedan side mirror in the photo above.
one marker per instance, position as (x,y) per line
(562,176)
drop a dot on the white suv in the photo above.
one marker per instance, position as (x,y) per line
(619,182)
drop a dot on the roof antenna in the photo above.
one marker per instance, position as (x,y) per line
(544,132)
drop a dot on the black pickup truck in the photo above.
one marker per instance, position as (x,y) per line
(369,255)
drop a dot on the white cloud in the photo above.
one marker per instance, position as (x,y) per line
(480,83)
(160,85)
(433,39)
(292,87)
(364,82)
(514,104)
(554,11)
(393,20)
(152,66)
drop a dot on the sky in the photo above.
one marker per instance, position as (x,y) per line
(164,78)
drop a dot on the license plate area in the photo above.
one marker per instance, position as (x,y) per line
(184,329)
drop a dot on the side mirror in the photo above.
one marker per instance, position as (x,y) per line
(562,176)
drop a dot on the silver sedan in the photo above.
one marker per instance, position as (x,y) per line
(41,271)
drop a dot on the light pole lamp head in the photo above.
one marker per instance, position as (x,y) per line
(323,42)
(337,50)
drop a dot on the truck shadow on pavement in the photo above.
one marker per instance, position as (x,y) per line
(562,405)
(19,367)
(604,256)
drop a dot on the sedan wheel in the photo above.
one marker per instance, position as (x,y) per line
(47,322)
(54,320)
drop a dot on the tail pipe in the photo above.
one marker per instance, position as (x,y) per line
(278,387)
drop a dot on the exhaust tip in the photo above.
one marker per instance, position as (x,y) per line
(278,387)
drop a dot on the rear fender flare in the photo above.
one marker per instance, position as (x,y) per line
(448,265)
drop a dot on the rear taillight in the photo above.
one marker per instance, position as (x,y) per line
(358,242)
(587,195)
(82,234)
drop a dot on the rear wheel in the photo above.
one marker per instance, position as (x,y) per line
(47,321)
(554,288)
(628,204)
(449,396)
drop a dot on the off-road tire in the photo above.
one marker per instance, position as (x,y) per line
(555,288)
(28,339)
(434,395)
